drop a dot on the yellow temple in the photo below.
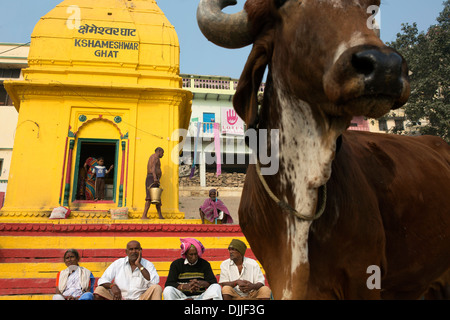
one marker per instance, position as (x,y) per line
(103,81)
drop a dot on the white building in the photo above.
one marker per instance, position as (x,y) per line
(214,124)
(13,58)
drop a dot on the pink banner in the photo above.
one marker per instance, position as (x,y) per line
(217,148)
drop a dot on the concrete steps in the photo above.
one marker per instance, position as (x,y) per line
(31,253)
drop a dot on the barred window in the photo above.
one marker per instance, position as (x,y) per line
(5,99)
(382,125)
(10,73)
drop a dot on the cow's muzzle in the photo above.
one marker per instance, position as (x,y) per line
(368,81)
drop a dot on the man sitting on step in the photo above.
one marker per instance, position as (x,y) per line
(129,278)
(241,278)
(191,277)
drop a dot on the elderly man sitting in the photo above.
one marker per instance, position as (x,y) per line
(191,277)
(241,277)
(129,278)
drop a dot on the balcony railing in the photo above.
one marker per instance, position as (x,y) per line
(212,84)
(194,82)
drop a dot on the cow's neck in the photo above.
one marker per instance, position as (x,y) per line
(307,150)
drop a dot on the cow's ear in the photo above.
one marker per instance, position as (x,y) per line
(245,100)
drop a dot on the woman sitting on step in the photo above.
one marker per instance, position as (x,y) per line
(214,209)
(74,282)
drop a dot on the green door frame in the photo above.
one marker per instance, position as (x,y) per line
(77,163)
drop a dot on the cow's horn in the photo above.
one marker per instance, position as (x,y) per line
(225,30)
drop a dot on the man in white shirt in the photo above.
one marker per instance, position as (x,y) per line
(129,278)
(241,277)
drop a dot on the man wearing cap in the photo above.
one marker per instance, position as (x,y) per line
(241,277)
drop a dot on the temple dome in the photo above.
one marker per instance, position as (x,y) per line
(126,42)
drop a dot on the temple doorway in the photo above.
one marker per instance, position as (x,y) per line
(88,153)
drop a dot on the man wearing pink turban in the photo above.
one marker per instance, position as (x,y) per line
(191,277)
(186,244)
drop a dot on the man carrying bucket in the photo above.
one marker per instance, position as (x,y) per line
(153,181)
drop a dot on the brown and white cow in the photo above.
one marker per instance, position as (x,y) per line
(386,197)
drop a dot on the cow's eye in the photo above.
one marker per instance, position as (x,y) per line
(280,3)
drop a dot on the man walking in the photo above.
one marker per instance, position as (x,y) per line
(154,174)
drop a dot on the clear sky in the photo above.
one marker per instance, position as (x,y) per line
(198,56)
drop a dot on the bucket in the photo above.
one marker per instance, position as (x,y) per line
(155,194)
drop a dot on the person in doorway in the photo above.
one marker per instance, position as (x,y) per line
(89,165)
(129,278)
(154,174)
(100,174)
(82,175)
(241,278)
(191,277)
(213,209)
(74,282)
